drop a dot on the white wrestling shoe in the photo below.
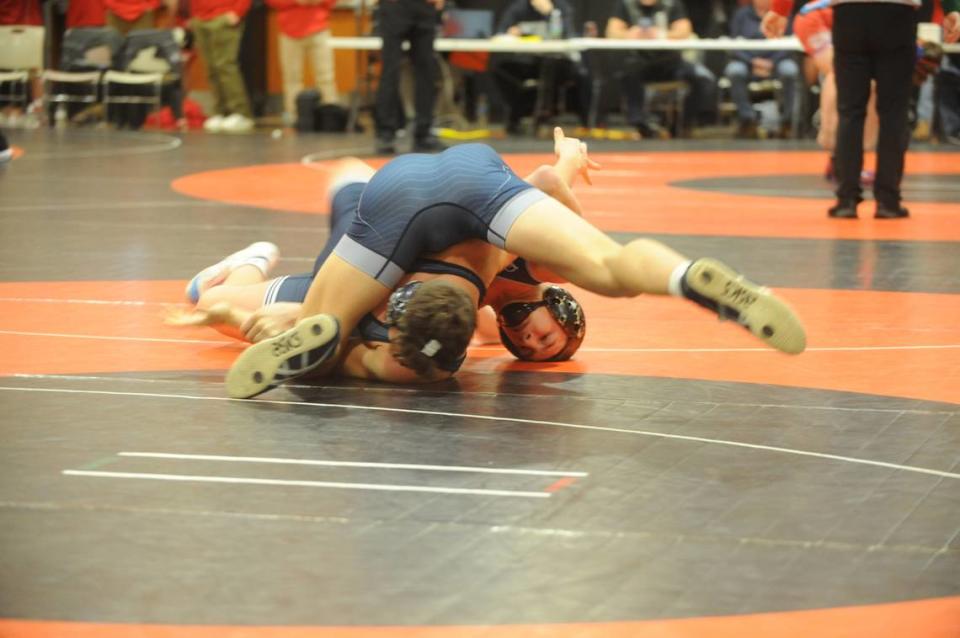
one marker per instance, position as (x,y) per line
(720,288)
(291,354)
(262,255)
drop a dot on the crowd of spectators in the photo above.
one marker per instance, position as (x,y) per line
(597,88)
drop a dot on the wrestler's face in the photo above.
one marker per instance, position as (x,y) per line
(539,337)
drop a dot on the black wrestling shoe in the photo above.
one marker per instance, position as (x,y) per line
(891,213)
(720,288)
(843,209)
(291,354)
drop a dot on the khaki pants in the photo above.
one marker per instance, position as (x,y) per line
(219,44)
(145,21)
(292,52)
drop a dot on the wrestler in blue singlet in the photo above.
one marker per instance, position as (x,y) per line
(419,204)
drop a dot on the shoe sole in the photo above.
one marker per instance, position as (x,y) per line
(294,353)
(761,312)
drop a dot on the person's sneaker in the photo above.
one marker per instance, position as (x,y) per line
(291,354)
(891,213)
(843,210)
(237,123)
(213,124)
(720,288)
(262,255)
(386,146)
(428,144)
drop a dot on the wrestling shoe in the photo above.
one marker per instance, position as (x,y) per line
(291,354)
(719,288)
(262,255)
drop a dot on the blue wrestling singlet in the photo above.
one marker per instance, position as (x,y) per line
(420,204)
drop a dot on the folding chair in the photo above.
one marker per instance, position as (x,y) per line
(21,55)
(151,65)
(86,53)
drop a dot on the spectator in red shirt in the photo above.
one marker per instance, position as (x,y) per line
(305,31)
(86,13)
(21,12)
(218,28)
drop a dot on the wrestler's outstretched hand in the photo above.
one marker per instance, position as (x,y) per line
(270,320)
(572,147)
(218,314)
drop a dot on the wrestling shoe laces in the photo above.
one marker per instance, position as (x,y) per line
(719,288)
(291,354)
(262,255)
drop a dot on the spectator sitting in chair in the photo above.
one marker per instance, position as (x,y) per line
(748,66)
(512,71)
(653,19)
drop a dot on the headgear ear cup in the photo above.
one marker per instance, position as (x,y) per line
(567,311)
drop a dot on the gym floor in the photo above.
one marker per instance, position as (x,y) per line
(675,479)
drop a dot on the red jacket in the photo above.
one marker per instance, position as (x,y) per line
(300,20)
(129,10)
(21,12)
(210,9)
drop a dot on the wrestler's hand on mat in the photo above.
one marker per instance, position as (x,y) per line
(773,25)
(565,146)
(216,314)
(270,320)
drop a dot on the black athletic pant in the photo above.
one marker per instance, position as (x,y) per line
(873,40)
(414,21)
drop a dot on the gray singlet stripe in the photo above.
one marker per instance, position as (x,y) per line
(508,214)
(375,265)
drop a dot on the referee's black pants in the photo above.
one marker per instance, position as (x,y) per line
(873,41)
(414,21)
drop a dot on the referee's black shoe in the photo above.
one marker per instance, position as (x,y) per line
(843,209)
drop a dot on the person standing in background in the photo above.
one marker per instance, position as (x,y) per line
(871,41)
(400,21)
(305,31)
(218,28)
(26,12)
(86,13)
(132,15)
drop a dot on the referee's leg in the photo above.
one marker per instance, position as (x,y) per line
(893,69)
(852,68)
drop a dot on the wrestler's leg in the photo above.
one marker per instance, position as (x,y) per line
(338,297)
(549,234)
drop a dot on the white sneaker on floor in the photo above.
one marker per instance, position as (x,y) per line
(237,123)
(6,155)
(262,255)
(213,124)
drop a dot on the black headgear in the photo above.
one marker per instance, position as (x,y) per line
(397,305)
(565,309)
(399,298)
